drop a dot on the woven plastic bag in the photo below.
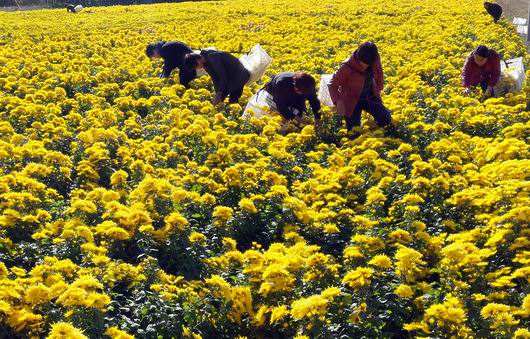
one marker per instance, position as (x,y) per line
(261,104)
(512,77)
(256,62)
(323,91)
(515,68)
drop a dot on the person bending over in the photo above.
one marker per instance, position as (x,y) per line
(173,53)
(357,86)
(493,9)
(287,94)
(228,74)
(482,68)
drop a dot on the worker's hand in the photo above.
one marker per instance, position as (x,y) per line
(466,91)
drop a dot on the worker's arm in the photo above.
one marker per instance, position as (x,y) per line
(315,104)
(167,69)
(378,75)
(337,82)
(186,75)
(173,54)
(466,72)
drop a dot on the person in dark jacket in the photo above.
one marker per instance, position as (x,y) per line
(357,86)
(482,67)
(290,91)
(228,74)
(493,9)
(173,54)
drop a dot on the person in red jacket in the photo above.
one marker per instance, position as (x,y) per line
(357,86)
(482,67)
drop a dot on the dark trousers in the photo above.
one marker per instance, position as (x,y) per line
(375,107)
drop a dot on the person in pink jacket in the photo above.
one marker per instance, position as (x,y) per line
(482,67)
(357,86)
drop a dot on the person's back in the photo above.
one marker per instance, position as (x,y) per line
(227,72)
(173,53)
(221,64)
(493,9)
(281,83)
(283,90)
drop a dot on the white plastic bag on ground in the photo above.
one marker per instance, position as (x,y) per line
(519,21)
(261,104)
(256,62)
(512,77)
(323,91)
(516,68)
(522,29)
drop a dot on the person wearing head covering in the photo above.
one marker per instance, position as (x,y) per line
(287,94)
(173,53)
(493,9)
(74,8)
(482,68)
(228,74)
(357,86)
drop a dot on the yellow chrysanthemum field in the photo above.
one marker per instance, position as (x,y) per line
(132,207)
